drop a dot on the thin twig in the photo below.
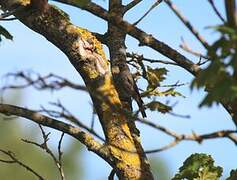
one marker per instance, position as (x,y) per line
(216,11)
(131,5)
(230,134)
(60,153)
(149,10)
(187,24)
(66,114)
(50,81)
(136,56)
(76,132)
(15,160)
(168,146)
(187,48)
(45,147)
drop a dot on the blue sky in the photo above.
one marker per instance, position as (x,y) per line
(30,51)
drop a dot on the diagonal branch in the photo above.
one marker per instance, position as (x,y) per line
(147,12)
(144,38)
(17,161)
(131,5)
(187,24)
(230,134)
(216,10)
(75,132)
(44,146)
(150,41)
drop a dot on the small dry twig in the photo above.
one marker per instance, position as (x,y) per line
(51,81)
(230,134)
(147,12)
(66,114)
(44,146)
(14,160)
(216,11)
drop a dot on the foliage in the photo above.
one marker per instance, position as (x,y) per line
(220,75)
(158,106)
(154,78)
(199,167)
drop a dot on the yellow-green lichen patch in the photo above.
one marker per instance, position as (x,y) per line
(87,35)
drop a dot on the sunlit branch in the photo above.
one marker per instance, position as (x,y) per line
(73,131)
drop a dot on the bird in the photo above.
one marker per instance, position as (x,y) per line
(127,87)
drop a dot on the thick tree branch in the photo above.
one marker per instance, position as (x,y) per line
(75,132)
(144,38)
(87,56)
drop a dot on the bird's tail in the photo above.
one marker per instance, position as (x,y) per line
(141,107)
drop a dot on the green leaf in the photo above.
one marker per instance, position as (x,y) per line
(233,175)
(158,106)
(219,76)
(199,167)
(156,92)
(155,76)
(5,33)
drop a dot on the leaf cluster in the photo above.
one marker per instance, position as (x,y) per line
(221,74)
(199,167)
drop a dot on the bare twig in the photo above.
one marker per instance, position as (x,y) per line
(17,161)
(187,24)
(216,10)
(51,82)
(73,131)
(131,5)
(66,114)
(168,146)
(147,12)
(187,48)
(230,134)
(60,153)
(179,115)
(45,147)
(135,57)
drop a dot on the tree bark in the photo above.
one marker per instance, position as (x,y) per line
(85,53)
